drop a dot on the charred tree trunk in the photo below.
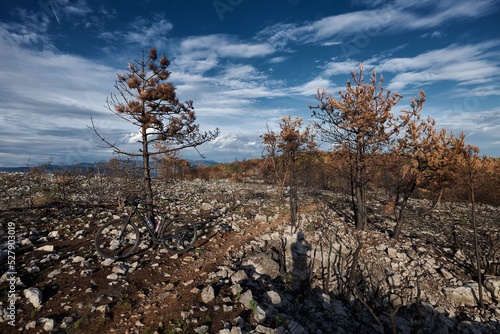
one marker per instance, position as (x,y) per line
(402,207)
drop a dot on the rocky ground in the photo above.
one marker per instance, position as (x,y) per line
(248,272)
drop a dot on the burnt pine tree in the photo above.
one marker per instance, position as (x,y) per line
(148,100)
(360,123)
(420,156)
(284,150)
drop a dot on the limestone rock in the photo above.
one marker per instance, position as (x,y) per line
(207,294)
(34,296)
(46,248)
(492,285)
(263,264)
(464,295)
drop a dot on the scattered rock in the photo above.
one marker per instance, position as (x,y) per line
(54,273)
(45,248)
(104,309)
(239,276)
(207,294)
(48,324)
(263,265)
(112,277)
(34,296)
(492,285)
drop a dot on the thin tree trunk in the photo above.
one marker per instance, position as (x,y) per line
(402,208)
(293,194)
(147,174)
(476,243)
(360,206)
(435,204)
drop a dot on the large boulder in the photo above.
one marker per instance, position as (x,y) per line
(465,295)
(263,264)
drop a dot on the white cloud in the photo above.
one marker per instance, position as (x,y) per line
(224,46)
(341,67)
(147,32)
(233,144)
(310,88)
(331,43)
(276,60)
(79,8)
(391,17)
(458,63)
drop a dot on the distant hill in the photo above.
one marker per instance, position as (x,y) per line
(205,163)
(51,168)
(88,166)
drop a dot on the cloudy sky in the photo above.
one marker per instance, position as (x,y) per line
(244,63)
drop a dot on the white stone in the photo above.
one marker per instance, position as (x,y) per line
(48,324)
(78,259)
(119,269)
(263,265)
(246,299)
(103,309)
(259,314)
(236,289)
(112,276)
(26,242)
(34,296)
(46,248)
(239,276)
(273,297)
(54,273)
(207,294)
(30,325)
(53,235)
(108,262)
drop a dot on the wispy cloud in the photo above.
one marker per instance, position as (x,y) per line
(224,46)
(31,30)
(457,63)
(392,17)
(77,8)
(310,88)
(276,60)
(146,32)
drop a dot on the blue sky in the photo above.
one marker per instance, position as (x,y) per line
(244,63)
